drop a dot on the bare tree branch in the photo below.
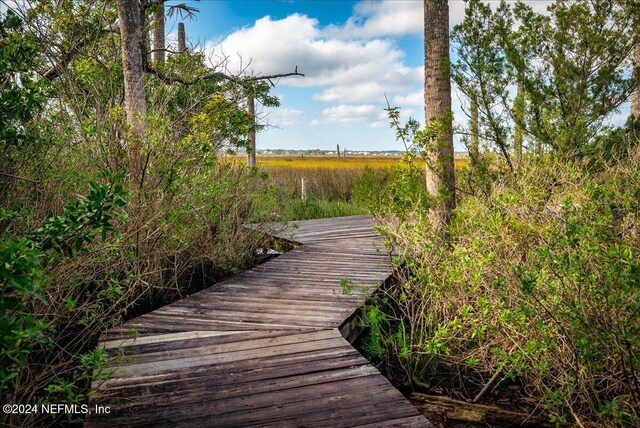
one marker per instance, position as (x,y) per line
(165,50)
(6,174)
(216,75)
(61,65)
(183,10)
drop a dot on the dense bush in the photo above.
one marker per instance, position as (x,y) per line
(538,282)
(534,286)
(33,325)
(83,245)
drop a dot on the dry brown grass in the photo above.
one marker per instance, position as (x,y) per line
(332,161)
(327,177)
(322,183)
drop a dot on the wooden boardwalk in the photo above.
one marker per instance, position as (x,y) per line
(268,347)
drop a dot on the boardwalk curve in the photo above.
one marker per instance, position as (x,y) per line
(268,347)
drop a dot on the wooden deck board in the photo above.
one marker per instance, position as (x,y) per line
(263,348)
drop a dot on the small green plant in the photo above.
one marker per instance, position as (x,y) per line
(347,286)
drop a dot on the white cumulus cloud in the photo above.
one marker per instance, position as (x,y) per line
(346,71)
(283,116)
(415,98)
(381,18)
(350,115)
(384,18)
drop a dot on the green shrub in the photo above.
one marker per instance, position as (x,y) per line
(25,264)
(538,281)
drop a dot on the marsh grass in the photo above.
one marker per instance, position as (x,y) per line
(327,177)
(332,161)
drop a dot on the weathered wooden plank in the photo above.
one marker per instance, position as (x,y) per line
(161,338)
(412,421)
(156,366)
(160,343)
(238,368)
(256,345)
(225,390)
(254,370)
(263,348)
(263,406)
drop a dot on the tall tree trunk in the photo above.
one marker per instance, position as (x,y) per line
(518,113)
(182,39)
(437,100)
(474,147)
(251,108)
(158,33)
(146,31)
(635,95)
(132,34)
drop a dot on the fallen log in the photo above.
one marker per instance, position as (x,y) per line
(449,412)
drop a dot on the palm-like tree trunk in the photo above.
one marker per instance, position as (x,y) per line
(635,95)
(132,34)
(518,111)
(474,147)
(182,38)
(437,99)
(158,33)
(251,109)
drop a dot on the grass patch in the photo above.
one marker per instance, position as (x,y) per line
(332,161)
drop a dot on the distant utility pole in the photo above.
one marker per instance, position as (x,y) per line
(344,153)
(182,39)
(251,109)
(338,150)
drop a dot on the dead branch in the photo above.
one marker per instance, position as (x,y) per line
(6,174)
(487,385)
(164,50)
(61,65)
(216,75)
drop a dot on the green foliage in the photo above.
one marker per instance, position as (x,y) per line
(297,209)
(282,199)
(82,219)
(91,366)
(21,95)
(376,322)
(24,263)
(368,190)
(20,278)
(536,280)
(572,64)
(220,122)
(347,286)
(398,190)
(539,280)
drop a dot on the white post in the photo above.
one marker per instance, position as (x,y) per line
(304,189)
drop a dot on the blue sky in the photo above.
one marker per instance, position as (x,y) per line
(352,52)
